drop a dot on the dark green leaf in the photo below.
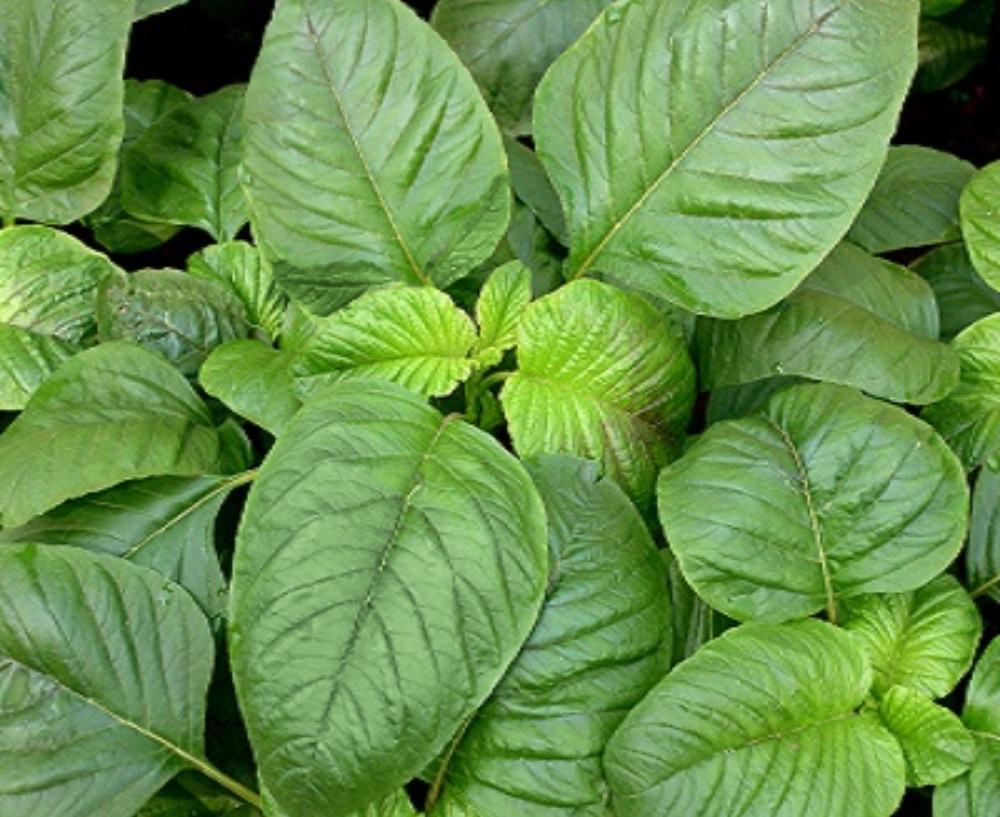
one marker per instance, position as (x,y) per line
(950,47)
(982,555)
(962,295)
(532,187)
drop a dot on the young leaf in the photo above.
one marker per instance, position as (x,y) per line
(535,747)
(924,639)
(370,155)
(761,720)
(982,554)
(600,375)
(509,44)
(113,413)
(914,201)
(389,565)
(935,744)
(718,179)
(413,336)
(253,381)
(60,105)
(981,222)
(502,301)
(182,317)
(26,360)
(182,170)
(856,320)
(104,670)
(239,267)
(969,417)
(962,296)
(825,495)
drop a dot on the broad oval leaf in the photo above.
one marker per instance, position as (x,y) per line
(413,336)
(856,320)
(914,202)
(718,177)
(60,105)
(981,222)
(183,169)
(104,671)
(178,315)
(26,360)
(963,297)
(761,720)
(600,375)
(825,495)
(370,155)
(534,749)
(924,639)
(982,554)
(502,301)
(389,564)
(509,44)
(969,417)
(110,414)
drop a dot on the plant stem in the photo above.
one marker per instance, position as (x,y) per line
(229,784)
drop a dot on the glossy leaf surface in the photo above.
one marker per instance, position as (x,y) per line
(26,360)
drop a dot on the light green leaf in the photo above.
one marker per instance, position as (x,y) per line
(26,360)
(509,44)
(534,749)
(104,669)
(924,639)
(856,320)
(165,523)
(825,495)
(389,565)
(370,155)
(969,417)
(502,301)
(178,315)
(718,177)
(982,554)
(980,207)
(238,266)
(935,744)
(950,47)
(762,720)
(183,169)
(532,187)
(602,376)
(914,201)
(413,336)
(110,414)
(961,294)
(254,381)
(146,8)
(60,105)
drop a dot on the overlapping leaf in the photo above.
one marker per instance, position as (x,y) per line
(951,46)
(502,301)
(961,294)
(826,494)
(712,152)
(982,553)
(26,360)
(370,155)
(390,562)
(981,222)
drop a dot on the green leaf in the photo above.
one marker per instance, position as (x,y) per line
(600,375)
(183,169)
(533,187)
(825,495)
(935,744)
(413,336)
(969,417)
(743,399)
(165,523)
(178,315)
(924,639)
(146,8)
(509,44)
(718,177)
(980,206)
(60,105)
(535,747)
(914,201)
(238,266)
(982,554)
(938,8)
(26,360)
(389,564)
(950,47)
(856,320)
(961,294)
(370,155)
(977,793)
(110,414)
(253,381)
(502,301)
(759,721)
(114,229)
(104,669)
(693,623)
